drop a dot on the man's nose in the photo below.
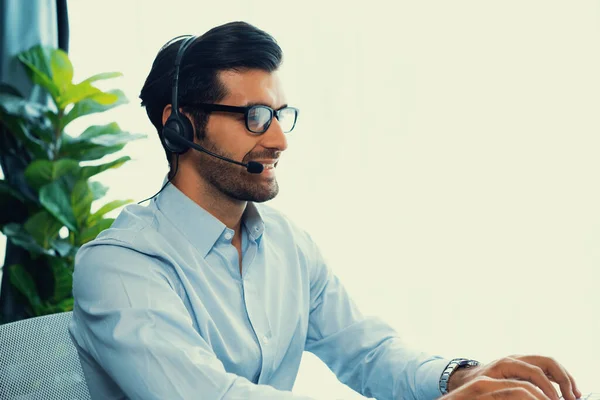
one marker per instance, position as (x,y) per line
(274,137)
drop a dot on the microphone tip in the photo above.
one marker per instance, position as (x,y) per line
(254,168)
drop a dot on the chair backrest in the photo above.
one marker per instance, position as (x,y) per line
(39,361)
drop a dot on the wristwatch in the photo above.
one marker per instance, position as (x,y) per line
(451,368)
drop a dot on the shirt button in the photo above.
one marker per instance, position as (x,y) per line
(228,236)
(265,339)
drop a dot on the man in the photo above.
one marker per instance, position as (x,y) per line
(206,293)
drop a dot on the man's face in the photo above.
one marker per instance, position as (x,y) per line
(226,135)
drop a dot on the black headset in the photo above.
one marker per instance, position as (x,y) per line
(178,125)
(178,132)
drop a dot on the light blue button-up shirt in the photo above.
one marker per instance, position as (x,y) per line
(162,312)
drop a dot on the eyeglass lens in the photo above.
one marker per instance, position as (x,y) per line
(259,119)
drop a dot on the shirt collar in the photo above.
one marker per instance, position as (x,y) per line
(199,226)
(253,222)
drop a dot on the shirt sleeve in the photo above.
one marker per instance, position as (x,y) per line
(136,327)
(365,353)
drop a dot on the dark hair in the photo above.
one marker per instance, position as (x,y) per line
(234,46)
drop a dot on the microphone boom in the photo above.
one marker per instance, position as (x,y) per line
(252,167)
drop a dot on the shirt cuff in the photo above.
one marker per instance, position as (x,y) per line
(428,378)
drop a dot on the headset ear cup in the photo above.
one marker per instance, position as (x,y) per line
(188,129)
(177,127)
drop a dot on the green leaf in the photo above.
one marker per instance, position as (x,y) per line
(108,207)
(43,227)
(86,91)
(89,171)
(22,133)
(30,122)
(115,139)
(63,247)
(90,233)
(107,135)
(99,103)
(37,61)
(81,202)
(96,142)
(20,237)
(63,278)
(95,131)
(102,76)
(53,118)
(77,93)
(20,107)
(39,57)
(66,305)
(62,69)
(23,282)
(63,305)
(42,172)
(56,198)
(108,98)
(98,190)
(96,152)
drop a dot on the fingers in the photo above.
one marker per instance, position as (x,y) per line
(489,389)
(576,390)
(556,373)
(517,369)
(509,394)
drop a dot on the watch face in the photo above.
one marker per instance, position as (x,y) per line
(467,363)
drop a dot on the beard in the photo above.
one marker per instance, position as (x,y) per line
(233,180)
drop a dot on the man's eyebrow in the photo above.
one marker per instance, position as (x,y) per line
(257,103)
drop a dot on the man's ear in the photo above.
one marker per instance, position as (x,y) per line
(166,114)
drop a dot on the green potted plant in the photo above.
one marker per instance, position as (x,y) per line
(47,195)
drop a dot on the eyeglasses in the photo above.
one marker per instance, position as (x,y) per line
(258,117)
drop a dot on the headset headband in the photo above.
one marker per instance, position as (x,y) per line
(175,90)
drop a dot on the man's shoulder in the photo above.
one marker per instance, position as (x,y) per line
(134,243)
(135,228)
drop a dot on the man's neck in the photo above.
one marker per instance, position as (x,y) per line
(227,210)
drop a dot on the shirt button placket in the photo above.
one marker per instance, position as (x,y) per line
(260,324)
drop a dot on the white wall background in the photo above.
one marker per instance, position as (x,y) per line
(447,158)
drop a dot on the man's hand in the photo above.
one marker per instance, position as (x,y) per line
(485,388)
(511,378)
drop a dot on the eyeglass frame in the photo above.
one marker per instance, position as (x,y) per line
(245,110)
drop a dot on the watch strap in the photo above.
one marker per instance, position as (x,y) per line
(451,368)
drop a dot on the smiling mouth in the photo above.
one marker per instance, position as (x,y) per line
(267,165)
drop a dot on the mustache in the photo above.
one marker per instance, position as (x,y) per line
(263,154)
